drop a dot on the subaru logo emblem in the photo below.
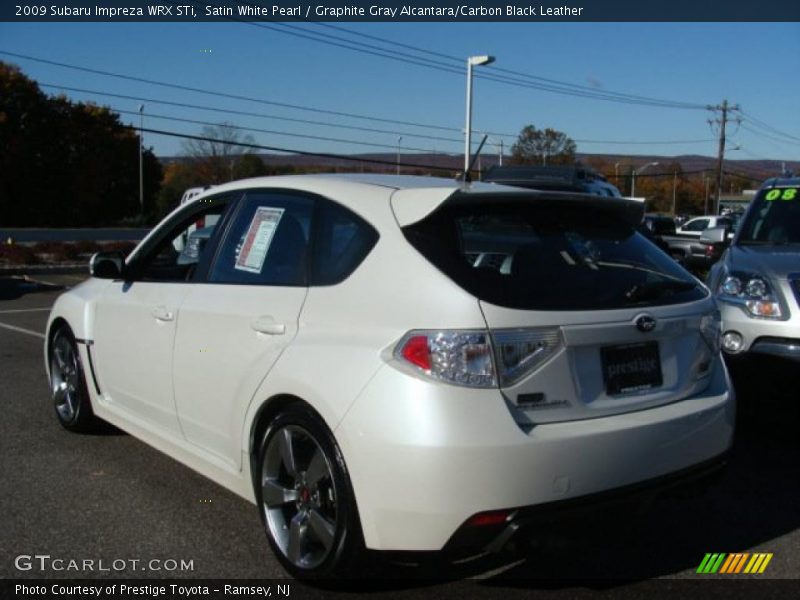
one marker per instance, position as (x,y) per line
(645,323)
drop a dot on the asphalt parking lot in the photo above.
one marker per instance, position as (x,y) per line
(111,497)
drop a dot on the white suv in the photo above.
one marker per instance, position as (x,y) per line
(399,363)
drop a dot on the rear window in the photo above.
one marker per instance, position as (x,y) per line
(548,257)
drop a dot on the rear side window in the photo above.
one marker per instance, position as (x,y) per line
(549,257)
(342,240)
(267,242)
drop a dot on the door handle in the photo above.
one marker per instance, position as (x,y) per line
(161,313)
(267,325)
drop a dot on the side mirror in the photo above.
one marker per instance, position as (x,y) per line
(714,235)
(107,265)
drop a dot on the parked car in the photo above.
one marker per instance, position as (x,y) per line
(399,363)
(696,254)
(555,178)
(694,227)
(757,281)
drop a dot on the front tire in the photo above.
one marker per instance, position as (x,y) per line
(68,384)
(305,497)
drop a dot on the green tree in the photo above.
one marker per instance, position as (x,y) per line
(66,164)
(543,147)
(249,165)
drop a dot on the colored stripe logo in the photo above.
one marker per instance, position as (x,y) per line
(740,562)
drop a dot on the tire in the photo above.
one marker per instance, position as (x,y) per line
(305,497)
(68,384)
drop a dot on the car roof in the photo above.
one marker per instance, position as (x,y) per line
(781,181)
(412,196)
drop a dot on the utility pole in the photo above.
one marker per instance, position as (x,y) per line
(674,190)
(723,108)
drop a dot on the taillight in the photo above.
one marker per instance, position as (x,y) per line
(453,356)
(200,223)
(479,358)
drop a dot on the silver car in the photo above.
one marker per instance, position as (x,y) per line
(757,281)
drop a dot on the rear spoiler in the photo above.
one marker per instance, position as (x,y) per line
(626,209)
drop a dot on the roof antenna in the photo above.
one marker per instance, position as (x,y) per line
(465,175)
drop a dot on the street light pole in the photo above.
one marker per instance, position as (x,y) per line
(635,172)
(471,62)
(141,160)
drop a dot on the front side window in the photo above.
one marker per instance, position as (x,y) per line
(550,257)
(774,218)
(175,254)
(267,242)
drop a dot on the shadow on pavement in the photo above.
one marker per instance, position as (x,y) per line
(12,288)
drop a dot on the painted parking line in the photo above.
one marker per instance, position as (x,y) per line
(22,330)
(23,310)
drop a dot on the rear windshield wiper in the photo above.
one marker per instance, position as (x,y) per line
(649,291)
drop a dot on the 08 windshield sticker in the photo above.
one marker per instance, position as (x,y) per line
(782,194)
(258,239)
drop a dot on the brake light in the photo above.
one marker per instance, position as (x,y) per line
(200,223)
(479,358)
(453,356)
(416,352)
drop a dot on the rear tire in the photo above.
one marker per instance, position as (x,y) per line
(68,384)
(305,497)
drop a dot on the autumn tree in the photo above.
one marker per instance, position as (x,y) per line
(543,147)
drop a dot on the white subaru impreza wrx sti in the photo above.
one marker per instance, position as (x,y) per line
(398,363)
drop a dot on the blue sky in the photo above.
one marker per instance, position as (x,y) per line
(752,64)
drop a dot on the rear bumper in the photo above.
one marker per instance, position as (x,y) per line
(472,540)
(425,457)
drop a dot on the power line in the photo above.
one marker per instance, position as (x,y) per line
(340,126)
(222,94)
(769,127)
(273,132)
(566,85)
(539,83)
(645,143)
(436,65)
(770,137)
(344,157)
(248,113)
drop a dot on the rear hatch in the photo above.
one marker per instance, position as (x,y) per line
(586,317)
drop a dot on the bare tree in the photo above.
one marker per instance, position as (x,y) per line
(215,157)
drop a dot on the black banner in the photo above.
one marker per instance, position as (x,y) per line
(395,11)
(409,589)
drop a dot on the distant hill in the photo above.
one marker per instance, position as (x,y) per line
(758,170)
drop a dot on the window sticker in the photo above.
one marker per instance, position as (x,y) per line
(782,193)
(258,239)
